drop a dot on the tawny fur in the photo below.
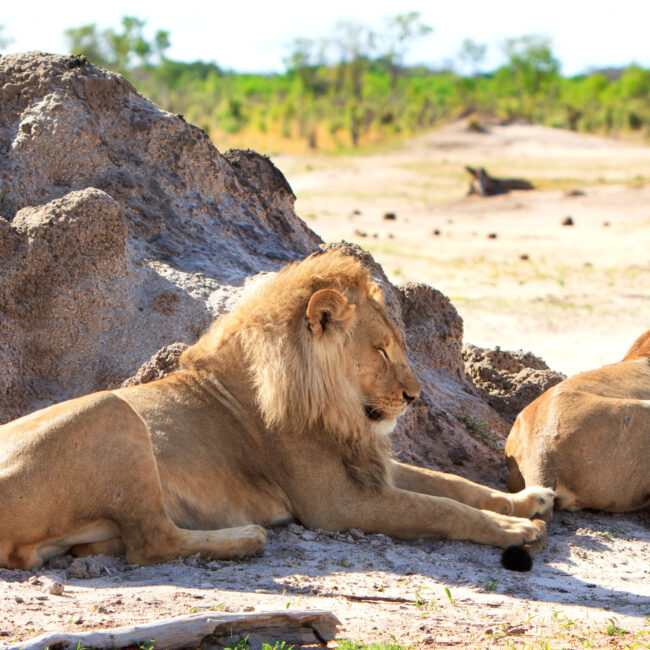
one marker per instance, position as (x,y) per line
(588,437)
(278,413)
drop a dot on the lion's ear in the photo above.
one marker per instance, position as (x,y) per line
(375,292)
(329,311)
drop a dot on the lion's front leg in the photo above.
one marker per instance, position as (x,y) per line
(527,503)
(408,515)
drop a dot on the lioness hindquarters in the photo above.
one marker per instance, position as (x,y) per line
(82,472)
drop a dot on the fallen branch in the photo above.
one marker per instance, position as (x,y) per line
(299,627)
(382,599)
(487,185)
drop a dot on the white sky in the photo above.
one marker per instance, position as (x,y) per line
(254,36)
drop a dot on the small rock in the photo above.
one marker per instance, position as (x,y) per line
(390,216)
(34,580)
(458,454)
(309,536)
(436,232)
(85,567)
(492,235)
(524,256)
(355,533)
(61,562)
(193,560)
(53,587)
(567,221)
(360,233)
(19,599)
(575,193)
(606,224)
(391,236)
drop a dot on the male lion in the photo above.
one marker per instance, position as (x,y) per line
(278,413)
(588,437)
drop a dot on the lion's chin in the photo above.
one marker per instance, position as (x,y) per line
(383,427)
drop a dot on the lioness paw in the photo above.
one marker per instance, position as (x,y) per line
(514,530)
(535,501)
(499,502)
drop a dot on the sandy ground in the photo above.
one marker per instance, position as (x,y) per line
(591,584)
(578,300)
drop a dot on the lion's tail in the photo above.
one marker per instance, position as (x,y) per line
(520,557)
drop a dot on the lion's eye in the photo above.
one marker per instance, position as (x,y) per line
(383,353)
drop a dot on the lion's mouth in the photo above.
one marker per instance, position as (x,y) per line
(373,413)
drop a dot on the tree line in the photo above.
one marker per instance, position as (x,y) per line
(354,86)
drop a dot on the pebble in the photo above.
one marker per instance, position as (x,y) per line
(53,587)
(355,533)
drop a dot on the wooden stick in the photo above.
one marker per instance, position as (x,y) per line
(381,599)
(315,626)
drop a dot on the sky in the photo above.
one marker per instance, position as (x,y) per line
(251,36)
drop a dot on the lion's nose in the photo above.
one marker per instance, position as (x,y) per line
(408,398)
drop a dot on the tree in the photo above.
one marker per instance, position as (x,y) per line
(121,51)
(472,54)
(306,56)
(87,41)
(401,31)
(531,62)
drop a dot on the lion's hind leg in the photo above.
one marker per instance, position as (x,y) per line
(223,544)
(92,480)
(134,501)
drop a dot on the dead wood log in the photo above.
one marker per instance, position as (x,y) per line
(486,185)
(298,627)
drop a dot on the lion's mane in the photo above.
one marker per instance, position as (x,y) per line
(301,384)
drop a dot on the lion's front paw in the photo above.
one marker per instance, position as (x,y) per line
(499,502)
(511,531)
(534,501)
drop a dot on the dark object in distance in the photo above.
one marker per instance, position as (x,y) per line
(486,185)
(567,221)
(390,216)
(436,232)
(517,558)
(492,235)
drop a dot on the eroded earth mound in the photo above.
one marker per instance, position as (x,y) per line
(510,380)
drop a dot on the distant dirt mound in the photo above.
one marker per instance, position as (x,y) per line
(510,380)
